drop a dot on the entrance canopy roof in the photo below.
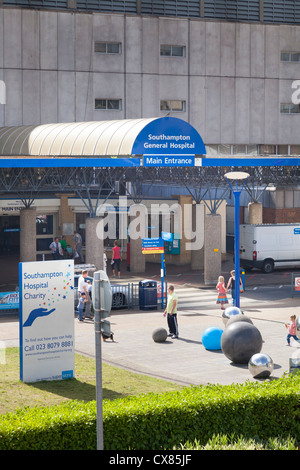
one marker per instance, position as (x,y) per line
(153,142)
(100,143)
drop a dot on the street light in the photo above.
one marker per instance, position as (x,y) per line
(238,177)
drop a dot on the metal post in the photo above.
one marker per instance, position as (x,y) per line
(237,176)
(162,270)
(237,246)
(97,322)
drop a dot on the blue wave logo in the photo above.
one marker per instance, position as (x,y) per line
(37,312)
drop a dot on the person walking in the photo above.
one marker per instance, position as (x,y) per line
(116,259)
(78,247)
(222,297)
(56,249)
(171,312)
(82,301)
(231,286)
(291,327)
(83,288)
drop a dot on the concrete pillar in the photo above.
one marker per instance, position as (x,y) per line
(255,213)
(28,234)
(212,248)
(185,203)
(66,216)
(93,242)
(137,231)
(197,255)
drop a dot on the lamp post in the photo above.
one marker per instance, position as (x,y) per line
(238,177)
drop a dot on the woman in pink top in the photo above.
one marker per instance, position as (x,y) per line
(291,327)
(116,259)
(222,297)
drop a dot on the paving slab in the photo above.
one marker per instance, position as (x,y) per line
(183,360)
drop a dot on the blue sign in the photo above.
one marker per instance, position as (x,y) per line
(296,231)
(168,160)
(167,236)
(9,300)
(169,137)
(152,242)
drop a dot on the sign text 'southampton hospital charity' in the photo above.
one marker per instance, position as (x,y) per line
(46,311)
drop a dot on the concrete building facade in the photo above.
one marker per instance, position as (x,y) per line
(229,68)
(231,80)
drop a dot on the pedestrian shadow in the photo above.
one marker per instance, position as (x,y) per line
(185,340)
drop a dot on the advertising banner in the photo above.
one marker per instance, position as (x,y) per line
(46,315)
(9,300)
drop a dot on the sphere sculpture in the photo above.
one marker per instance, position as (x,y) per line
(230,312)
(239,317)
(240,341)
(261,365)
(159,335)
(211,338)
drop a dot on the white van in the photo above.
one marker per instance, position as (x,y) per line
(269,246)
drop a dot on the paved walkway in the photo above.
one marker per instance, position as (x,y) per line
(184,360)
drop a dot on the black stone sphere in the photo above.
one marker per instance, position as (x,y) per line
(240,341)
(239,317)
(159,335)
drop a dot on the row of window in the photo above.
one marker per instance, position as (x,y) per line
(106,104)
(116,48)
(169,50)
(178,106)
(236,150)
(271,11)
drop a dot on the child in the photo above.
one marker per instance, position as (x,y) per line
(222,298)
(291,327)
(82,300)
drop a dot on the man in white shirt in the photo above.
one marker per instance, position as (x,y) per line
(56,249)
(83,287)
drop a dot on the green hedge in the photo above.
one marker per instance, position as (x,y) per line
(161,421)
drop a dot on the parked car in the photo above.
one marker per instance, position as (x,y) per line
(120,293)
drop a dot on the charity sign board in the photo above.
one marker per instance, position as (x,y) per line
(46,316)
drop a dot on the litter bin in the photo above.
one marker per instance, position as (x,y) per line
(148,294)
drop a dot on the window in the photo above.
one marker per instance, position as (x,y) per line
(289,108)
(108,47)
(172,51)
(44,224)
(172,105)
(290,56)
(295,150)
(108,104)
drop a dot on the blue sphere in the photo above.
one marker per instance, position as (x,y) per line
(211,338)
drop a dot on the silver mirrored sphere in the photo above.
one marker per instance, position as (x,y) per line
(229,312)
(261,365)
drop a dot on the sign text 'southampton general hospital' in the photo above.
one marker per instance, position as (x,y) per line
(169,142)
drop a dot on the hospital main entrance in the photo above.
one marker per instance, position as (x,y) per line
(10,234)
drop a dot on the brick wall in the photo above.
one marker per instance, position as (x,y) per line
(281,216)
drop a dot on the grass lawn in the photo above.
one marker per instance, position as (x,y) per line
(116,383)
